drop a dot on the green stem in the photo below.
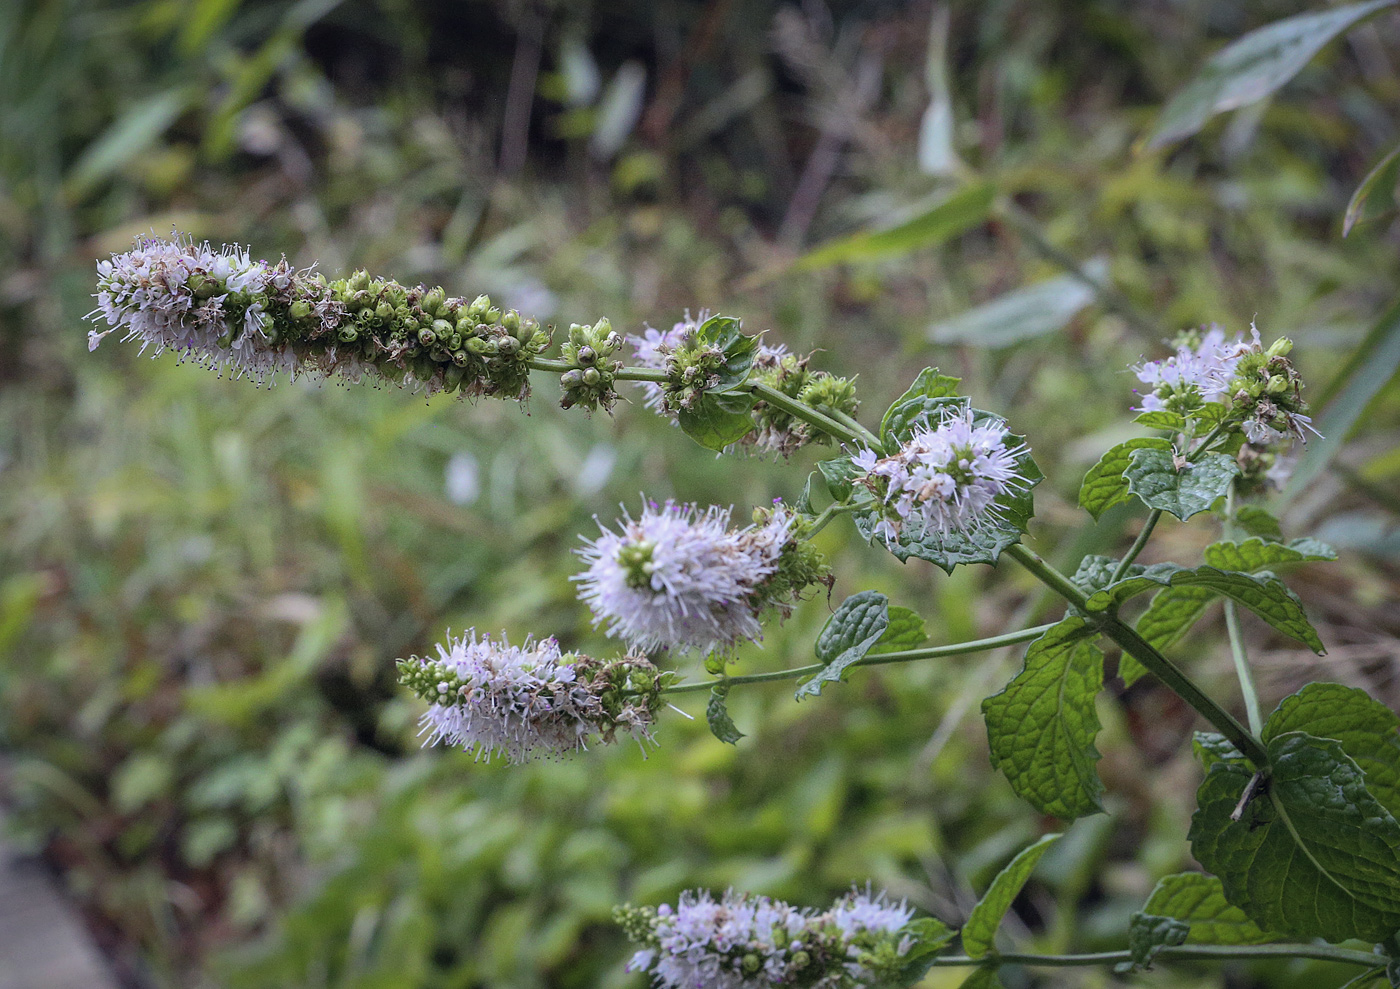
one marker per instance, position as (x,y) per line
(1189,952)
(1145,653)
(1232,627)
(830,512)
(1137,546)
(871,440)
(621,374)
(800,410)
(903,656)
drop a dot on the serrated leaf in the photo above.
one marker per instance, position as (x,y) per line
(1259,554)
(928,383)
(1153,476)
(927,937)
(904,416)
(847,636)
(1147,935)
(711,425)
(979,933)
(1313,853)
(1199,900)
(1255,521)
(964,209)
(1262,593)
(1368,731)
(839,475)
(1023,313)
(1384,178)
(717,717)
(905,631)
(1041,726)
(1105,486)
(1253,66)
(1212,747)
(1162,419)
(1170,616)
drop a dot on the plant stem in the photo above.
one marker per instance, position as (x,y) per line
(829,513)
(871,440)
(1232,627)
(1319,952)
(1146,654)
(801,410)
(903,656)
(622,373)
(1137,546)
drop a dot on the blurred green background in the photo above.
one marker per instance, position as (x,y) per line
(204,584)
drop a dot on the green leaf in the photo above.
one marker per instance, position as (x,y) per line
(1212,747)
(928,936)
(1368,731)
(982,978)
(847,636)
(1263,593)
(725,333)
(1384,178)
(1258,554)
(1105,486)
(1041,726)
(979,933)
(1257,522)
(712,425)
(839,475)
(901,419)
(1096,572)
(1023,313)
(130,136)
(928,384)
(717,716)
(1162,419)
(1199,900)
(905,631)
(1312,853)
(964,209)
(1170,616)
(1367,370)
(803,504)
(1252,67)
(1152,475)
(1147,935)
(983,544)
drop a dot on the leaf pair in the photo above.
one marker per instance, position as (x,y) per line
(1147,468)
(718,419)
(1311,847)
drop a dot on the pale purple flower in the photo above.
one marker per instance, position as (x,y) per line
(679,578)
(1201,372)
(206,305)
(754,942)
(520,702)
(944,479)
(653,347)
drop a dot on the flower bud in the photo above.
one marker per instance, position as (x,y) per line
(511,321)
(478,346)
(442,328)
(587,355)
(1281,347)
(466,326)
(427,337)
(433,301)
(591,376)
(358,282)
(460,358)
(347,334)
(300,309)
(1277,385)
(384,311)
(480,305)
(492,315)
(507,346)
(571,379)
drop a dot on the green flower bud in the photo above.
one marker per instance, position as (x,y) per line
(511,321)
(492,315)
(300,309)
(587,355)
(433,301)
(460,358)
(591,376)
(750,963)
(442,328)
(358,282)
(1280,348)
(478,346)
(800,959)
(427,337)
(384,311)
(466,326)
(1277,385)
(347,334)
(203,288)
(571,379)
(507,346)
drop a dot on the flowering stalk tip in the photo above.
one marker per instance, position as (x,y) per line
(530,701)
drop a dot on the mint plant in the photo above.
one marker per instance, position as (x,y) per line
(1298,819)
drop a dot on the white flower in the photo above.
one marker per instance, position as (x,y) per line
(521,702)
(945,478)
(208,306)
(1202,371)
(753,942)
(679,578)
(653,347)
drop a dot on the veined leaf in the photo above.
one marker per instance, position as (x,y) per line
(714,426)
(1041,726)
(1199,900)
(979,933)
(929,383)
(1263,593)
(1105,486)
(1311,853)
(717,716)
(1368,731)
(964,209)
(1147,935)
(1170,616)
(1162,419)
(928,936)
(847,636)
(1154,477)
(1258,554)
(1252,67)
(905,631)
